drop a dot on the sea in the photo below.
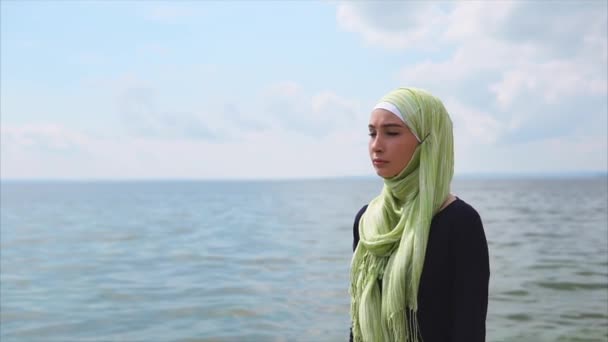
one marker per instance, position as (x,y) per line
(269,260)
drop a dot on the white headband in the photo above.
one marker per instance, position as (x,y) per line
(393,109)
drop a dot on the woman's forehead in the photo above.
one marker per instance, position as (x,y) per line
(381,116)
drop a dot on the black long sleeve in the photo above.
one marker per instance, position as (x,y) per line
(453,291)
(356,227)
(471,274)
(355,243)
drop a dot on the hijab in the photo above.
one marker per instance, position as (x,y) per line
(387,263)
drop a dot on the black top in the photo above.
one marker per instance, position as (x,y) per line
(453,290)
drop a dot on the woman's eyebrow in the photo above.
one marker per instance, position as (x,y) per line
(386,125)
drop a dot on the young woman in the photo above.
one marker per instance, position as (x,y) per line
(420,269)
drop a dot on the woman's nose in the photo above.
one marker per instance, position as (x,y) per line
(377,144)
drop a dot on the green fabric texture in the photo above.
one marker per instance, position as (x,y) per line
(393,232)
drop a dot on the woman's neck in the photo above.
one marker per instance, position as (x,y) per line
(451,198)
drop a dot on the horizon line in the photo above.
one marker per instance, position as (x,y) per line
(465,175)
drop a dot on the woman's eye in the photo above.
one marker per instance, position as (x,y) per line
(392,133)
(372,134)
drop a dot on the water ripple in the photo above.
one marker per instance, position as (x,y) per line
(269,261)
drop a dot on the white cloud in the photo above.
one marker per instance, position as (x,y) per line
(267,154)
(285,88)
(307,135)
(572,153)
(343,111)
(567,40)
(144,116)
(169,14)
(290,107)
(554,80)
(520,79)
(392,25)
(517,77)
(159,104)
(472,126)
(473,19)
(47,136)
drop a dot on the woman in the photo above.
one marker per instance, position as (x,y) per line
(420,269)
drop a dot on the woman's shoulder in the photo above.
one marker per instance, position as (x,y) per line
(356,226)
(459,210)
(357,219)
(360,213)
(461,219)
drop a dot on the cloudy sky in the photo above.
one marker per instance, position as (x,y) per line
(209,90)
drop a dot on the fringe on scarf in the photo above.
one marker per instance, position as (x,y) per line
(400,326)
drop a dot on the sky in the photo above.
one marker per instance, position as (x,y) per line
(265,90)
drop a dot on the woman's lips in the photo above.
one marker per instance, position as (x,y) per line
(379,162)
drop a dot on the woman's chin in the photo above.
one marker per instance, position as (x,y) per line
(383,173)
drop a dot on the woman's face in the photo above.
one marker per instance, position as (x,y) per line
(391,143)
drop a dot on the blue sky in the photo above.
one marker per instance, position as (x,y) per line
(145,89)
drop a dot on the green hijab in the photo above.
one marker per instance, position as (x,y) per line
(393,231)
